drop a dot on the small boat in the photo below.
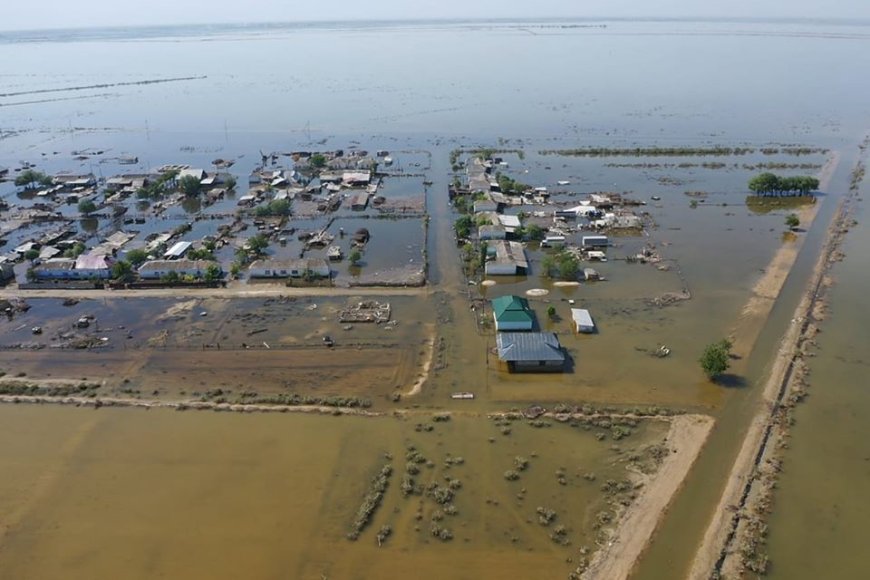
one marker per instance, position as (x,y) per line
(36,330)
(563,182)
(656,198)
(388,160)
(662,351)
(462,395)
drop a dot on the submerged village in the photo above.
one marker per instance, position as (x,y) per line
(367,283)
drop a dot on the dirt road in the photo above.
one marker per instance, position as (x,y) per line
(686,439)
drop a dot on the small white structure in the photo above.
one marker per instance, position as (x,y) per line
(596,256)
(553,242)
(582,320)
(509,221)
(595,241)
(177,250)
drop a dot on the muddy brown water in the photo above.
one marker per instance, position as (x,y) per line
(141,494)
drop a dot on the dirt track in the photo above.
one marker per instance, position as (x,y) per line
(686,439)
(232,291)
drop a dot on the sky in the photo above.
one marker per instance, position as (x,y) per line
(40,14)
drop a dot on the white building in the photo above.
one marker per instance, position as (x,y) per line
(289,269)
(582,320)
(156,269)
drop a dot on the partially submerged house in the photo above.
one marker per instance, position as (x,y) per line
(582,321)
(289,268)
(510,259)
(538,352)
(512,313)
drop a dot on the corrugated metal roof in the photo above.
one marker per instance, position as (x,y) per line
(529,346)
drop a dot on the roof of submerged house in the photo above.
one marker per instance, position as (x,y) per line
(529,347)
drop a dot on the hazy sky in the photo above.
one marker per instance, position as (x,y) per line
(20,14)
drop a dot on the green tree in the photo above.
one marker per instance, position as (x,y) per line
(137,257)
(200,254)
(535,232)
(189,185)
(122,271)
(716,358)
(31,254)
(75,251)
(87,207)
(792,221)
(551,312)
(171,277)
(355,257)
(212,273)
(318,161)
(235,269)
(276,207)
(30,178)
(569,266)
(257,245)
(230,183)
(463,226)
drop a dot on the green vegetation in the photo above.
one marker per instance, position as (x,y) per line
(190,186)
(276,208)
(122,271)
(87,206)
(212,273)
(650,151)
(535,232)
(355,257)
(137,257)
(769,183)
(30,179)
(158,187)
(197,254)
(254,248)
(75,251)
(510,186)
(551,312)
(318,161)
(230,183)
(371,502)
(463,226)
(563,265)
(792,221)
(716,358)
(171,277)
(34,390)
(31,254)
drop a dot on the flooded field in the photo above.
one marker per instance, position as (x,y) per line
(97,493)
(159,493)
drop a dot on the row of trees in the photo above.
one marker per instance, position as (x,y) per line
(769,183)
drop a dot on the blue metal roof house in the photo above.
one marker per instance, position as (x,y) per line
(535,352)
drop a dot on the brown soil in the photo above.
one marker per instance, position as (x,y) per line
(686,439)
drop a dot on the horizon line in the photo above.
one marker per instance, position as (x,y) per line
(463,20)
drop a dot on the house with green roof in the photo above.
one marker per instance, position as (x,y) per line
(512,313)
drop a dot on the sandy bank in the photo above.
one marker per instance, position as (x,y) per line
(686,439)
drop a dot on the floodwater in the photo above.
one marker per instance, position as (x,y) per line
(144,494)
(185,492)
(819,510)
